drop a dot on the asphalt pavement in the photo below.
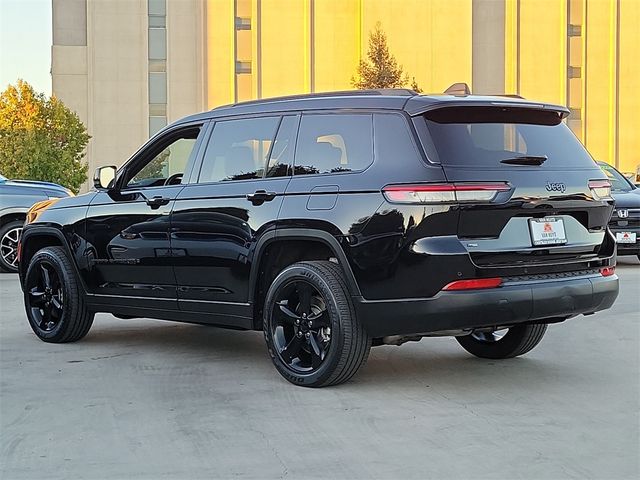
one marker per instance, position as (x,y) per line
(147,399)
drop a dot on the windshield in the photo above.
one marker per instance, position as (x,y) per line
(3,178)
(487,136)
(618,182)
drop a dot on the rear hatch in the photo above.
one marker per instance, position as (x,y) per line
(548,202)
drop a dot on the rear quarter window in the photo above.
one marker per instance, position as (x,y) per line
(334,143)
(483,136)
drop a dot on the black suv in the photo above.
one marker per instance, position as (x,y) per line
(334,222)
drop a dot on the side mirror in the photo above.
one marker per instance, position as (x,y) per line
(104,177)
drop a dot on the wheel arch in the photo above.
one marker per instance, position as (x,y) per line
(11,215)
(299,245)
(34,239)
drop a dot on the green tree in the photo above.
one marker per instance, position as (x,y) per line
(41,138)
(381,69)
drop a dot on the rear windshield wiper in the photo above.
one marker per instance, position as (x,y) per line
(525,160)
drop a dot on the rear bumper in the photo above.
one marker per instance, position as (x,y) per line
(512,303)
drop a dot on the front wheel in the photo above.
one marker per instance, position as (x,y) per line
(312,333)
(9,236)
(504,343)
(53,298)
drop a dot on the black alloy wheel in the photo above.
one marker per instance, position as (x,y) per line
(310,326)
(53,298)
(503,343)
(301,328)
(46,296)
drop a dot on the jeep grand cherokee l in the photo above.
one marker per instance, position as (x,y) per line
(334,222)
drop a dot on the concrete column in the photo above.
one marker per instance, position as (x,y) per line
(488,46)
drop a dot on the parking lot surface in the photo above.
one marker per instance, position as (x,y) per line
(152,399)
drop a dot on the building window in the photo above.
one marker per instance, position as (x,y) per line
(243,67)
(574,30)
(156,124)
(157,8)
(157,65)
(243,23)
(157,43)
(575,53)
(158,87)
(574,72)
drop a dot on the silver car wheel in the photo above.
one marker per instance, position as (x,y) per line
(9,246)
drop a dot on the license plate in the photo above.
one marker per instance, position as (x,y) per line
(547,231)
(626,237)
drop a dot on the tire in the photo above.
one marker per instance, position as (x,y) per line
(330,351)
(54,300)
(9,234)
(517,341)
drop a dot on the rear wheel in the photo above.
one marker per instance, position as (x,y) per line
(505,343)
(9,236)
(310,326)
(53,300)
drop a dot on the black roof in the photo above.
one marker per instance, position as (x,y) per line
(384,99)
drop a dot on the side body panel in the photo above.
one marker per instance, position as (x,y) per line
(214,233)
(371,232)
(128,249)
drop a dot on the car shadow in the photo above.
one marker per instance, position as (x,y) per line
(421,365)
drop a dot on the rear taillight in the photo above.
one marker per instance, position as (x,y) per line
(607,271)
(473,284)
(600,189)
(444,192)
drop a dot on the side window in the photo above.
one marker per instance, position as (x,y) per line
(167,160)
(282,152)
(238,149)
(334,143)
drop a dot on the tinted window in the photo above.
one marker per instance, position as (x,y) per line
(282,152)
(238,149)
(334,144)
(167,157)
(618,182)
(483,136)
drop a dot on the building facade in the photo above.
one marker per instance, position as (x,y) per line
(129,67)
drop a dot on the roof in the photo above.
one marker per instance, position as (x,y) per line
(384,99)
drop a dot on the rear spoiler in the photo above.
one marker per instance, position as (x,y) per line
(422,103)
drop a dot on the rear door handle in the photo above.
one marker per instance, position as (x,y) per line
(157,201)
(260,196)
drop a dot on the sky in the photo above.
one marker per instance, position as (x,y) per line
(25,43)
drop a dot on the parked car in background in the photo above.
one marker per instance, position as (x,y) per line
(625,221)
(16,198)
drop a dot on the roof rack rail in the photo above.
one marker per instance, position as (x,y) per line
(459,88)
(393,92)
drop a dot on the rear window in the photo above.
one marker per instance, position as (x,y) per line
(484,136)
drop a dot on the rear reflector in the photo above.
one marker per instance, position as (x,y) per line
(600,189)
(473,284)
(607,271)
(443,192)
